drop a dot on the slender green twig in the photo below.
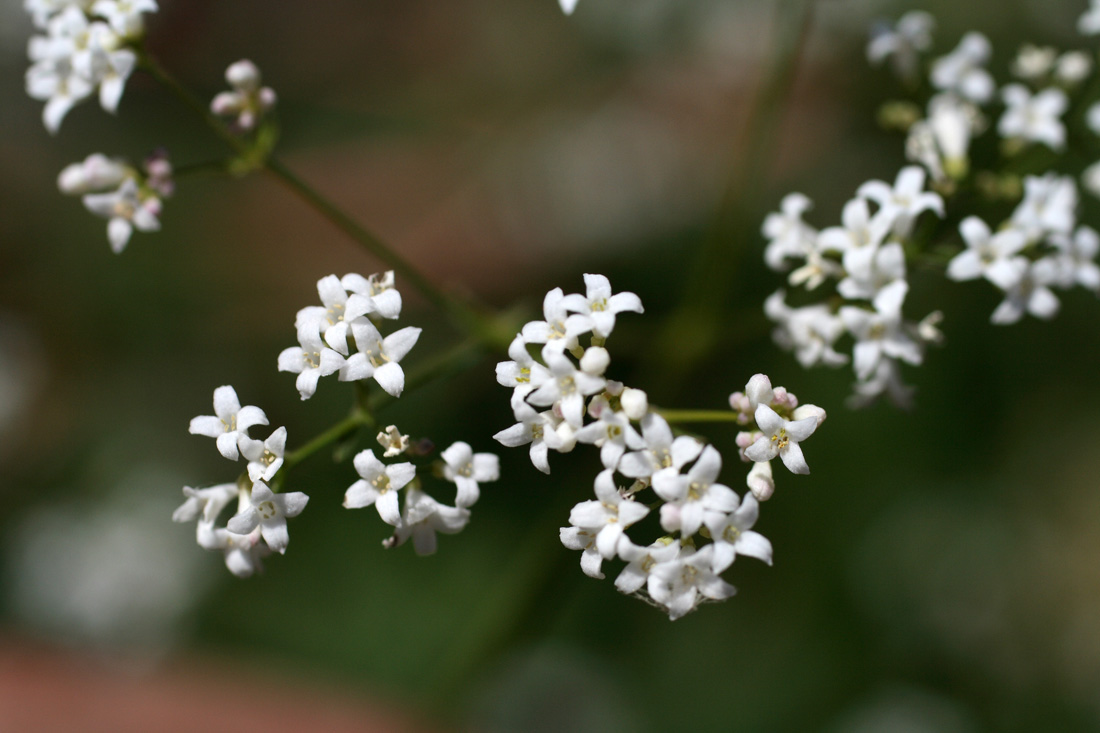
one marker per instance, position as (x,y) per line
(690,416)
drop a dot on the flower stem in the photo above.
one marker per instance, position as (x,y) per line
(690,416)
(340,430)
(476,323)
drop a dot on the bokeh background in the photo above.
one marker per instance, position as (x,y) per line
(939,571)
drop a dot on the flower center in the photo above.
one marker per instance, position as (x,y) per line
(781,439)
(381,482)
(267,510)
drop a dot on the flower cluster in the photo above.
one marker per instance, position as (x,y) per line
(680,569)
(259,526)
(127,197)
(249,101)
(353,306)
(1039,247)
(87,45)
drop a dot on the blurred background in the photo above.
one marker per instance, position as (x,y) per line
(939,571)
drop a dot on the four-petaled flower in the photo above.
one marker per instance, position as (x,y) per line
(781,437)
(379,486)
(468,469)
(229,422)
(268,511)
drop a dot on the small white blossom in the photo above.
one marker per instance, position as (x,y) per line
(1090,179)
(1076,258)
(1033,63)
(608,516)
(903,43)
(885,379)
(962,71)
(576,538)
(677,584)
(126,209)
(693,498)
(125,16)
(1036,118)
(1073,67)
(870,270)
(859,230)
(310,360)
(788,236)
(423,518)
(613,434)
(733,534)
(567,6)
(269,512)
(385,300)
(1049,206)
(641,560)
(467,470)
(781,438)
(378,485)
(905,200)
(229,423)
(559,327)
(661,450)
(393,441)
(880,333)
(568,386)
(265,458)
(600,306)
(379,357)
(1089,22)
(810,331)
(522,373)
(1031,293)
(987,255)
(95,173)
(340,311)
(243,552)
(206,503)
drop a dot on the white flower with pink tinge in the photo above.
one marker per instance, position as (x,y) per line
(126,209)
(229,422)
(694,497)
(248,101)
(608,516)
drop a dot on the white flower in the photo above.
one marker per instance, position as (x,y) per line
(576,538)
(229,423)
(422,518)
(1049,206)
(540,429)
(248,101)
(243,552)
(1076,258)
(97,172)
(310,360)
(560,328)
(677,584)
(641,560)
(886,379)
(608,516)
(567,6)
(661,450)
(733,536)
(905,200)
(567,385)
(903,43)
(1089,22)
(265,458)
(693,498)
(859,229)
(987,255)
(781,438)
(385,300)
(522,373)
(379,357)
(207,503)
(1031,293)
(125,16)
(962,70)
(870,270)
(942,142)
(635,403)
(379,486)
(340,311)
(810,331)
(788,236)
(1036,118)
(467,470)
(269,512)
(880,333)
(612,433)
(126,209)
(600,306)
(1090,179)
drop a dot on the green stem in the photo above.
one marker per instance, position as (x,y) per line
(340,430)
(682,416)
(480,325)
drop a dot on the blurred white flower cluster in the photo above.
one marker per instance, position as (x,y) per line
(865,260)
(551,369)
(249,101)
(88,45)
(129,198)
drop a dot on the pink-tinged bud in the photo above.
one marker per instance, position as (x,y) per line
(670,517)
(225,103)
(614,388)
(267,98)
(595,361)
(745,439)
(758,391)
(760,481)
(806,411)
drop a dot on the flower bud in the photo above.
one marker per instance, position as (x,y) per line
(595,360)
(635,403)
(243,75)
(760,481)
